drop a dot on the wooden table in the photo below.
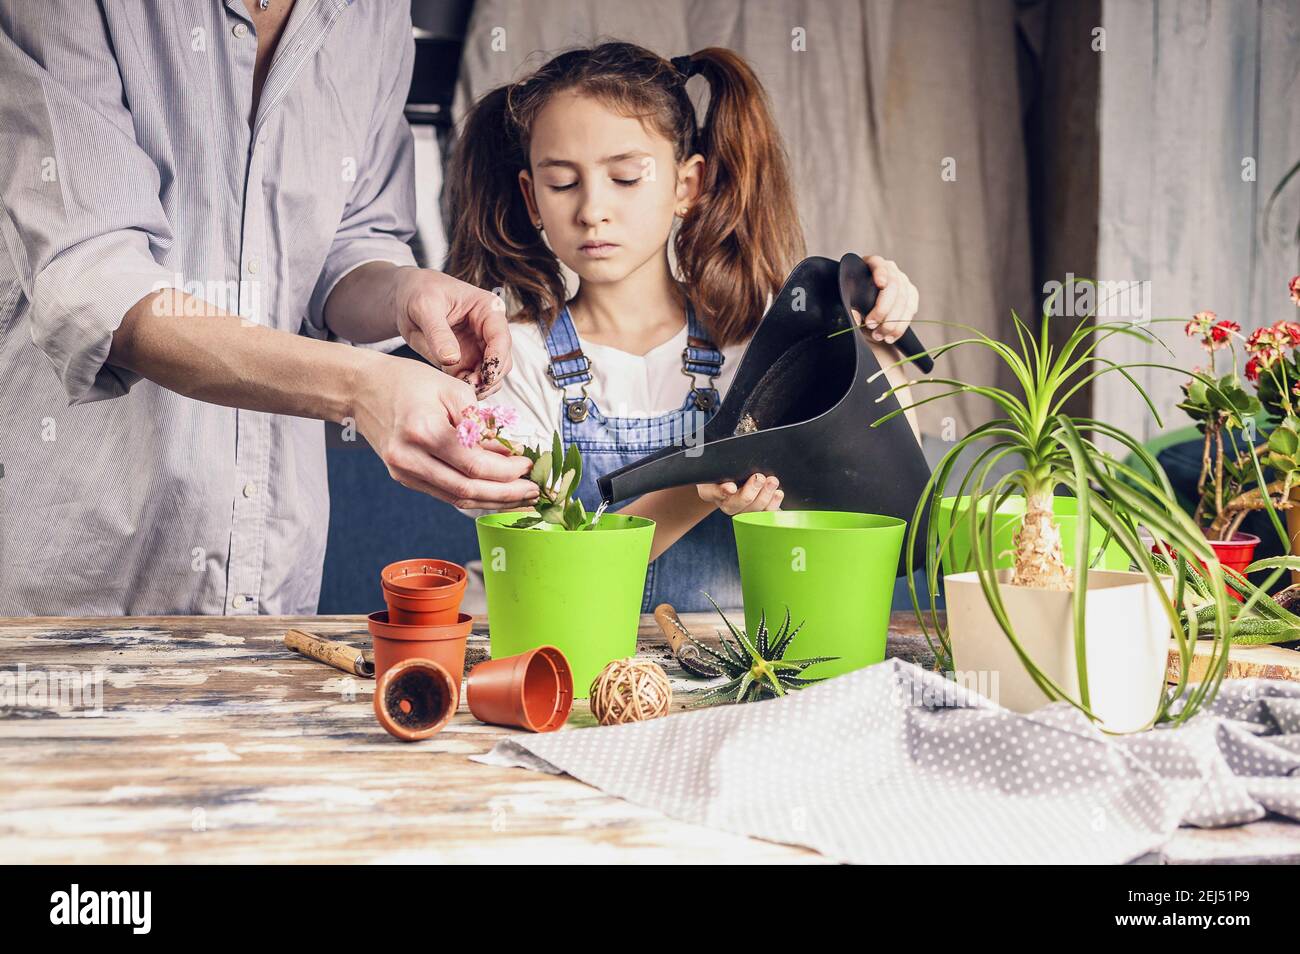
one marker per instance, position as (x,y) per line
(216,744)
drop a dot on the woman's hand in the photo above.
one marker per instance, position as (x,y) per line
(757,493)
(408,412)
(895,305)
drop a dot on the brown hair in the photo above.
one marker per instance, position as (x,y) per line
(735,245)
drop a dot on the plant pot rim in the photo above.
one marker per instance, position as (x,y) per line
(379,626)
(390,577)
(771,519)
(1118,579)
(1238,539)
(497,522)
(437,671)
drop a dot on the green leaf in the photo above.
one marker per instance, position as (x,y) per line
(541,472)
(525,522)
(573,462)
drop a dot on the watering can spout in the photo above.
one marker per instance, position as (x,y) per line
(670,467)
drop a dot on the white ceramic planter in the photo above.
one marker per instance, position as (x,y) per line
(1127,641)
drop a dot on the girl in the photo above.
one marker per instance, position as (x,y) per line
(590,162)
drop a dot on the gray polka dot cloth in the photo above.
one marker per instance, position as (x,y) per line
(896,764)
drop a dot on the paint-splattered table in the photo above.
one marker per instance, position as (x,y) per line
(202,739)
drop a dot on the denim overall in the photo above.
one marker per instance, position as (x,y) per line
(704,560)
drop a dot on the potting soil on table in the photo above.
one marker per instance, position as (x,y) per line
(860,767)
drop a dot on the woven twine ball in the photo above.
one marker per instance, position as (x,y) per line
(630,691)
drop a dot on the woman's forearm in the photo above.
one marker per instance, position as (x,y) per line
(361,307)
(187,346)
(675,511)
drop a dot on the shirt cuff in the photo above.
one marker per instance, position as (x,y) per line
(79,300)
(341,260)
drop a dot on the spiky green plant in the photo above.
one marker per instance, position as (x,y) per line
(1049,451)
(756,668)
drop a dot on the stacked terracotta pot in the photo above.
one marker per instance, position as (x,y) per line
(419,648)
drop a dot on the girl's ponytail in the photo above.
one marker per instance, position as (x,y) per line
(493,241)
(742,236)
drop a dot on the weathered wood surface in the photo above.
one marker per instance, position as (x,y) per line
(218,744)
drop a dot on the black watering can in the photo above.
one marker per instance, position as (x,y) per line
(800,406)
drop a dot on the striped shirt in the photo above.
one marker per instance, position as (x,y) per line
(127,164)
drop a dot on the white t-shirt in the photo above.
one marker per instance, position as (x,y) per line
(622,385)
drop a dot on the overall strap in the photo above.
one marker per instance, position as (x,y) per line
(568,364)
(700,357)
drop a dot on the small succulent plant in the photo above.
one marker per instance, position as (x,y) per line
(556,472)
(756,668)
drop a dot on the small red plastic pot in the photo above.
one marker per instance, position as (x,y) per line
(532,691)
(444,644)
(423,592)
(1234,555)
(415,698)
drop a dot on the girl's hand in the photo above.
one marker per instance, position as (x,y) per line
(757,493)
(895,305)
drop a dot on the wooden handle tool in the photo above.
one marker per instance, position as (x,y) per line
(679,638)
(339,655)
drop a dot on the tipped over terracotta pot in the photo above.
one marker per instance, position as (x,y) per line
(532,691)
(415,698)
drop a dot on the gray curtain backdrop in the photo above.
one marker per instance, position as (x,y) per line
(876,99)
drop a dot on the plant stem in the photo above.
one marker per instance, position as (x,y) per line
(1039,561)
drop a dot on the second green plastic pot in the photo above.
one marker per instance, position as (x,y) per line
(956,557)
(835,571)
(577,590)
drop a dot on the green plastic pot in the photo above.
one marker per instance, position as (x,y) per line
(835,571)
(577,590)
(956,558)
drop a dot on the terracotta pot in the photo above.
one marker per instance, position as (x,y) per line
(444,644)
(532,691)
(1127,641)
(423,592)
(415,698)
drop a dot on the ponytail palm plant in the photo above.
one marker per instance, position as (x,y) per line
(1049,450)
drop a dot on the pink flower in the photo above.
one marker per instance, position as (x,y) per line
(480,424)
(1295,289)
(470,431)
(503,416)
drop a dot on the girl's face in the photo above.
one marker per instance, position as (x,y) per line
(604,187)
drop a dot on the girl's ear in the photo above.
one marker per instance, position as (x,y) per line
(530,200)
(690,177)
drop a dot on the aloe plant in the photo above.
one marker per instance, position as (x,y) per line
(1050,450)
(756,668)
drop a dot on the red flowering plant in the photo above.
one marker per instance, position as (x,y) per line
(1228,415)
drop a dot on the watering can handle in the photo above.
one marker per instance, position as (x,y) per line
(858,293)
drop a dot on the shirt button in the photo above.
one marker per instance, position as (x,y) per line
(240,30)
(250,488)
(240,601)
(252,266)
